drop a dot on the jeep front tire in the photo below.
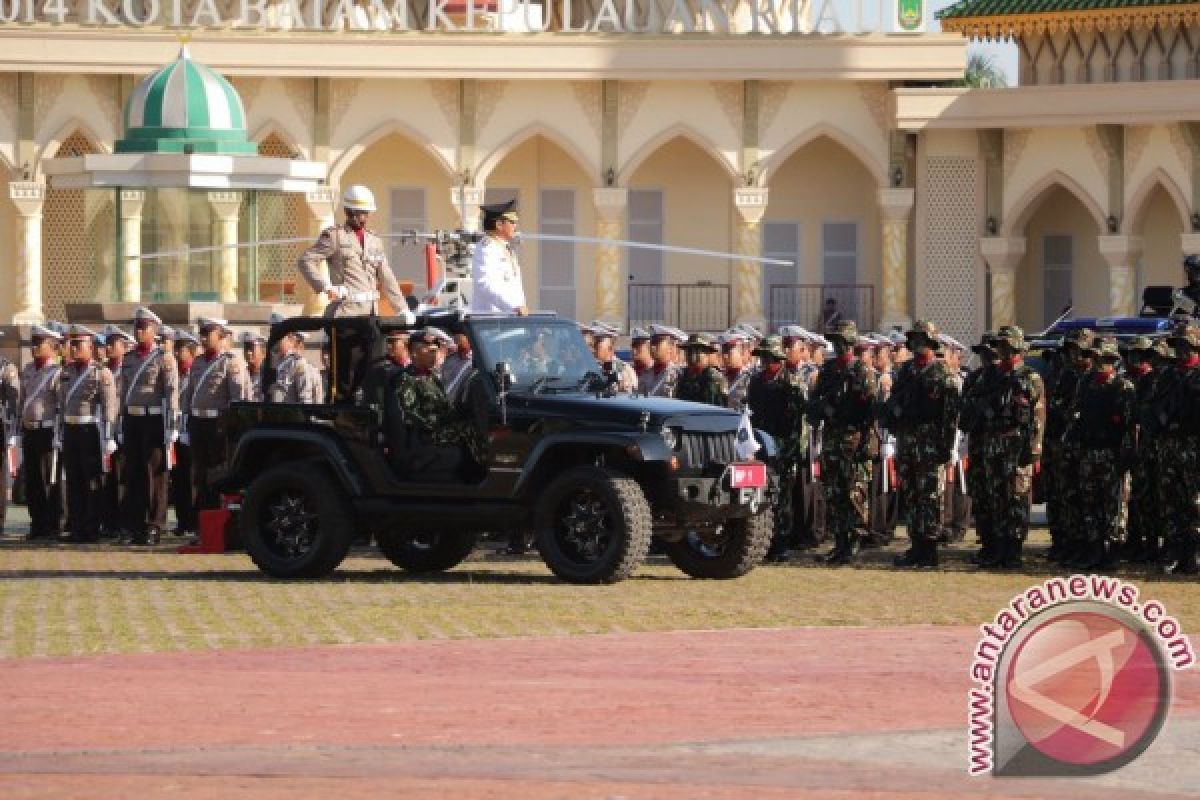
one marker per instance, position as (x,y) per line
(740,547)
(592,525)
(295,523)
(426,552)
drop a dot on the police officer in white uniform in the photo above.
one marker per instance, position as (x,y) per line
(495,273)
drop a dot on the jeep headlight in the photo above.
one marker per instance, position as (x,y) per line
(670,438)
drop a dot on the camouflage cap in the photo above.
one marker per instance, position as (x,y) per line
(1011,335)
(770,347)
(1104,348)
(1164,349)
(846,331)
(925,328)
(1140,344)
(1081,337)
(701,341)
(986,343)
(1184,333)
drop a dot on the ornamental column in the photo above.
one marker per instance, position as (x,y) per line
(1121,253)
(29,197)
(321,205)
(226,208)
(130,259)
(610,205)
(895,209)
(751,204)
(1003,255)
(466,201)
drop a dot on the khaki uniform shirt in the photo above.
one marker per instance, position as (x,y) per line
(256,385)
(88,392)
(296,381)
(154,386)
(362,270)
(39,393)
(652,383)
(213,385)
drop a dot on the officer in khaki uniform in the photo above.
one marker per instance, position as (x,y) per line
(296,380)
(358,271)
(254,350)
(87,402)
(218,377)
(149,383)
(118,343)
(186,348)
(38,411)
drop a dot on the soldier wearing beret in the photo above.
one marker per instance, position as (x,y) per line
(87,402)
(699,382)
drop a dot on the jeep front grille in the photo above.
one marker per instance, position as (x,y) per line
(698,449)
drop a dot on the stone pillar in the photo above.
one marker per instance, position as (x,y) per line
(610,207)
(226,208)
(174,272)
(1003,256)
(130,266)
(29,197)
(1121,254)
(466,201)
(322,209)
(895,209)
(751,204)
(1189,244)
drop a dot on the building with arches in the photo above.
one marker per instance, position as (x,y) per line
(765,128)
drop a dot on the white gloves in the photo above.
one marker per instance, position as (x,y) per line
(14,441)
(110,447)
(173,437)
(57,443)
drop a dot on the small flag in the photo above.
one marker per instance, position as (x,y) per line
(747,445)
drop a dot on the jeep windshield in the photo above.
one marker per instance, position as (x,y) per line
(543,353)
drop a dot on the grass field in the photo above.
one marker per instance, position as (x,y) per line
(81,600)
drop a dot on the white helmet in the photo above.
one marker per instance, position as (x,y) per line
(358,198)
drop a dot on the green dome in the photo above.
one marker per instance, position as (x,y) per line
(185,107)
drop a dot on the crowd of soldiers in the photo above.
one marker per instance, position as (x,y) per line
(873,428)
(112,427)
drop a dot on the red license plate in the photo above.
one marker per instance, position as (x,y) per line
(748,476)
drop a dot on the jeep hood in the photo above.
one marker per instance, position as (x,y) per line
(626,412)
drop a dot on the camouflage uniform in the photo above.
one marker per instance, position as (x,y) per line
(1177,411)
(842,404)
(923,412)
(1145,523)
(1060,460)
(701,384)
(1102,427)
(777,404)
(978,385)
(1013,414)
(430,434)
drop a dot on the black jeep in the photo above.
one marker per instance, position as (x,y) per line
(594,477)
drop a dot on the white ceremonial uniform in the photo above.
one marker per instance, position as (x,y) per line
(496,278)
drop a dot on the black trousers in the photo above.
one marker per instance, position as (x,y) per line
(43,489)
(5,475)
(83,462)
(208,451)
(113,493)
(145,474)
(181,488)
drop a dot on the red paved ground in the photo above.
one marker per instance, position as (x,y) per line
(603,716)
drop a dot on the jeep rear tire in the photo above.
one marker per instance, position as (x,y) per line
(592,525)
(742,547)
(426,552)
(295,522)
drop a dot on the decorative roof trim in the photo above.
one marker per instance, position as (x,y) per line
(1081,21)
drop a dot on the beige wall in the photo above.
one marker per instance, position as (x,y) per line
(823,182)
(8,250)
(697,206)
(1159,227)
(1059,212)
(536,164)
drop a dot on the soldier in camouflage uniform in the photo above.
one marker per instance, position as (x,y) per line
(922,410)
(699,382)
(1060,459)
(976,397)
(1013,412)
(777,404)
(841,405)
(1102,427)
(1144,523)
(1176,410)
(431,439)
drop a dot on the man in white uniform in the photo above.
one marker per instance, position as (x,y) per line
(495,273)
